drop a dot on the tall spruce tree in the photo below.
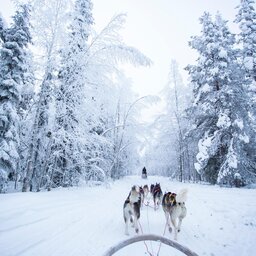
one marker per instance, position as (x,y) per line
(246,19)
(68,136)
(2,28)
(13,70)
(220,109)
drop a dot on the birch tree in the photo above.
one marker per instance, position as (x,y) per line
(49,22)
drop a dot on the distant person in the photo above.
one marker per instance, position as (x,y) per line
(144,173)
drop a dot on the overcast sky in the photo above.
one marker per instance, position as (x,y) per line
(161,29)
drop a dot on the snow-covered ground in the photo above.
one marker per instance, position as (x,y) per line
(88,221)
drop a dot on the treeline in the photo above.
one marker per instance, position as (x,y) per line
(208,132)
(68,114)
(66,108)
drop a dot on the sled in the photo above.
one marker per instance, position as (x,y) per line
(150,237)
(144,176)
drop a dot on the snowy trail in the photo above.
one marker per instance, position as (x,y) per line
(87,221)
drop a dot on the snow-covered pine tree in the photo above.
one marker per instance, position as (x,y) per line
(69,147)
(13,70)
(246,19)
(3,173)
(203,112)
(220,109)
(2,28)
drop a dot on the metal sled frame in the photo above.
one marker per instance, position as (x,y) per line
(150,237)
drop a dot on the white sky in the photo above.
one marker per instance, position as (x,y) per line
(161,29)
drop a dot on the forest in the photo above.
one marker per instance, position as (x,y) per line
(69,117)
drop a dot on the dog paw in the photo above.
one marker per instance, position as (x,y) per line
(137,230)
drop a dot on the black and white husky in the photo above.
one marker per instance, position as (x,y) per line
(157,195)
(131,209)
(175,209)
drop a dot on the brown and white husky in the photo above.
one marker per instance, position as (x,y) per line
(175,209)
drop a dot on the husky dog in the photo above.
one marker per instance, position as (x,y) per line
(131,209)
(142,196)
(145,195)
(157,195)
(174,208)
(168,201)
(146,190)
(152,189)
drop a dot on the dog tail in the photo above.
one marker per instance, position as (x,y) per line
(182,195)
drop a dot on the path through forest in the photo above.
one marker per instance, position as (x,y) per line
(88,220)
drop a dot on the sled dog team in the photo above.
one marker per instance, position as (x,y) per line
(173,206)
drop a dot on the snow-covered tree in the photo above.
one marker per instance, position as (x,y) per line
(13,73)
(12,79)
(168,149)
(69,134)
(178,99)
(106,51)
(105,120)
(220,109)
(246,19)
(25,107)
(49,22)
(2,28)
